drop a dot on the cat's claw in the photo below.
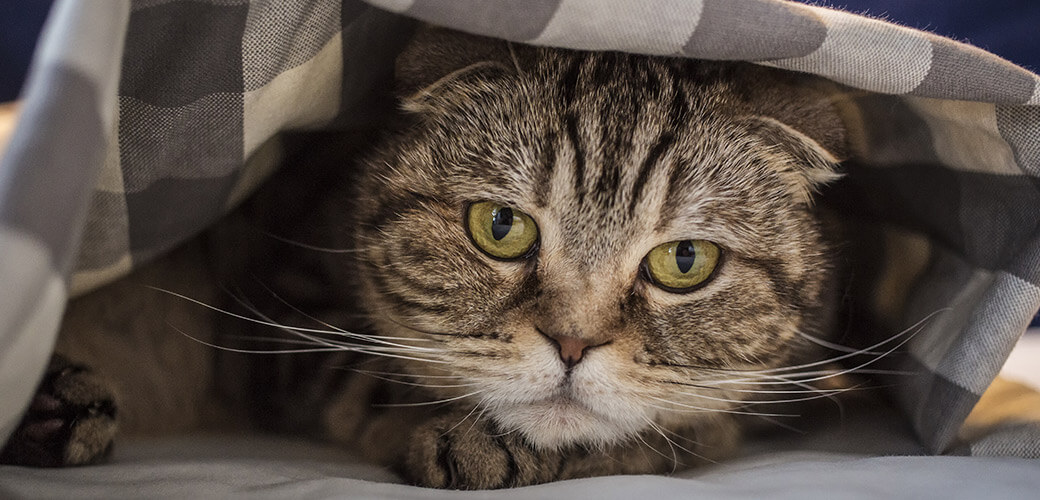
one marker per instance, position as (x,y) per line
(70,421)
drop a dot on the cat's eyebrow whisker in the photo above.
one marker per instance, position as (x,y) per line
(712,410)
(427,403)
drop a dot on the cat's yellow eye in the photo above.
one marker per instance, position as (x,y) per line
(680,266)
(501,232)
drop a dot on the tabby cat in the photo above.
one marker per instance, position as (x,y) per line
(567,263)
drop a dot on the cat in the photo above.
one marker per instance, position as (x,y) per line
(565,264)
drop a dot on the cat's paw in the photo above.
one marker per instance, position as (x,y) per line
(71,420)
(458,453)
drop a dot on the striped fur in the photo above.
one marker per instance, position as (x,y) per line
(611,154)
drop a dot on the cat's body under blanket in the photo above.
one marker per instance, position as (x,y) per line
(562,264)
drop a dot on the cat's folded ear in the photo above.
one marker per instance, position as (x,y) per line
(439,62)
(805,164)
(798,116)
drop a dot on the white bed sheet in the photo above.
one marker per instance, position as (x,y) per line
(201,467)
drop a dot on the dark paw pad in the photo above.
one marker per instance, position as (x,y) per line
(71,420)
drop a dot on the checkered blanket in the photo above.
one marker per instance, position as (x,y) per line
(145,121)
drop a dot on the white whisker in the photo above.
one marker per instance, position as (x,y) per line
(918,326)
(838,372)
(374,338)
(818,395)
(366,349)
(286,327)
(327,348)
(253,351)
(427,403)
(831,345)
(655,450)
(326,343)
(713,410)
(485,402)
(783,425)
(463,419)
(660,430)
(416,384)
(391,374)
(398,356)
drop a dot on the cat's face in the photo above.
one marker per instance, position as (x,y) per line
(515,227)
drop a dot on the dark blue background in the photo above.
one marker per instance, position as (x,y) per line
(1009,28)
(20,23)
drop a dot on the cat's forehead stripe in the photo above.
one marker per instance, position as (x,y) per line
(619,137)
(574,137)
(547,164)
(652,162)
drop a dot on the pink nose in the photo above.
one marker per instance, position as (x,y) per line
(571,349)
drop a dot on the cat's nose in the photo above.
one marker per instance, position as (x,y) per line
(572,349)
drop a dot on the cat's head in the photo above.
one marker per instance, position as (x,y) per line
(592,242)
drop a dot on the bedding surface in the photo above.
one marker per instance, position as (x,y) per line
(265,467)
(857,450)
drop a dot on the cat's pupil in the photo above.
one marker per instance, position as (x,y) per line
(501,222)
(685,255)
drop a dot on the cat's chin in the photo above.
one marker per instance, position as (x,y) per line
(561,421)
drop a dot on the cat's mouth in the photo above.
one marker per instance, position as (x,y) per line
(563,418)
(564,400)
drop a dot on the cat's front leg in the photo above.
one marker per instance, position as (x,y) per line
(459,451)
(456,451)
(71,420)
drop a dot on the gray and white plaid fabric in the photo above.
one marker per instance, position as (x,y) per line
(945,183)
